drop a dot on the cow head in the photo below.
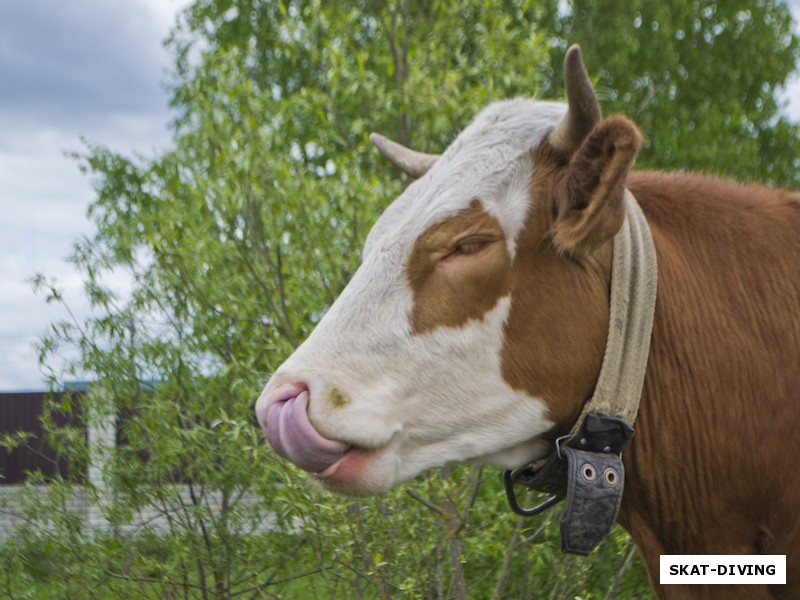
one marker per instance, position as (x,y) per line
(475,327)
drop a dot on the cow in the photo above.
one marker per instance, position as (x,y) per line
(475,328)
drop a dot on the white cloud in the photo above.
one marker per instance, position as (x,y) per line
(69,70)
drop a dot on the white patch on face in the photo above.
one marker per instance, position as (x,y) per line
(439,397)
(462,408)
(489,161)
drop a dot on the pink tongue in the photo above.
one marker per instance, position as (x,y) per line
(292,435)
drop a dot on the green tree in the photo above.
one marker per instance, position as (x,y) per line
(237,239)
(699,77)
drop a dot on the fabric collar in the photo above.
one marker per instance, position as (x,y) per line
(634,278)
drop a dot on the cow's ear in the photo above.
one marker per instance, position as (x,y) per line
(590,204)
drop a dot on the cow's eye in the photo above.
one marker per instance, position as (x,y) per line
(470,247)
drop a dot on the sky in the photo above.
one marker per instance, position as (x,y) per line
(83,69)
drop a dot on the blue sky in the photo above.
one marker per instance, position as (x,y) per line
(83,68)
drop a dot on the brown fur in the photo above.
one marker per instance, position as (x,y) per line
(713,466)
(555,335)
(712,469)
(451,288)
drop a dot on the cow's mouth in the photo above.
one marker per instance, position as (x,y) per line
(283,417)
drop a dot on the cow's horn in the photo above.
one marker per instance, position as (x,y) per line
(583,110)
(410,162)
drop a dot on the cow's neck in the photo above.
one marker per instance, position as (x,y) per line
(708,471)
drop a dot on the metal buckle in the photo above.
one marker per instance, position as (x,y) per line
(528,472)
(511,496)
(598,433)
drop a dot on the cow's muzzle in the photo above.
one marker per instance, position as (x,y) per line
(283,415)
